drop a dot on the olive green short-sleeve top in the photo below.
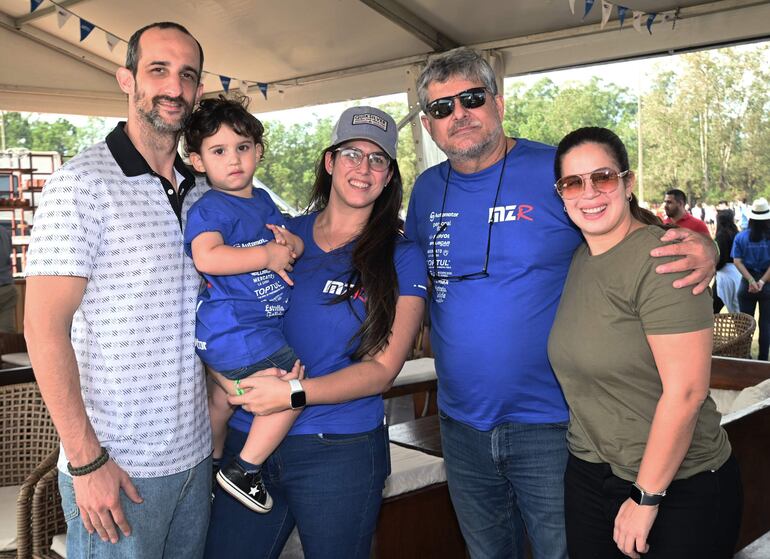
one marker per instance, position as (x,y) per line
(599,352)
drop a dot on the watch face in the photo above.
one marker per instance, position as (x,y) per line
(298,399)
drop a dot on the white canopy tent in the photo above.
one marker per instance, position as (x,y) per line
(318,51)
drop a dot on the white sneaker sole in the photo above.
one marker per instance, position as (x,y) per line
(250,504)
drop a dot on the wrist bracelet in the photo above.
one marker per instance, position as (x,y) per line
(88,468)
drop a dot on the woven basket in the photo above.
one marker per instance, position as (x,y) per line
(733,333)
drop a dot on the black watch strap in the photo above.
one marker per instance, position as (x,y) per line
(643,498)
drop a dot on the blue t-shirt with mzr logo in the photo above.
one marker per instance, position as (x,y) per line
(239,317)
(322,332)
(489,335)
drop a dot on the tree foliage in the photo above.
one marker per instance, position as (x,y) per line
(546,112)
(705,126)
(37,134)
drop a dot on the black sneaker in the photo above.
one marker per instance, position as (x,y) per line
(247,488)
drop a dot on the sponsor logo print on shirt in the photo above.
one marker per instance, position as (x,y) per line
(334,287)
(513,212)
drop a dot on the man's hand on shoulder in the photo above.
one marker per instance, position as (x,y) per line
(98,497)
(699,257)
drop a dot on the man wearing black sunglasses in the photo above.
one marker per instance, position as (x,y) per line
(498,247)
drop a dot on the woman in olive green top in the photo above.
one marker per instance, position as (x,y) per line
(650,470)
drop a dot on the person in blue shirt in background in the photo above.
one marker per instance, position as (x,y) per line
(751,255)
(356,306)
(230,235)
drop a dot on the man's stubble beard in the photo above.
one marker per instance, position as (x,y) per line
(153,118)
(475,151)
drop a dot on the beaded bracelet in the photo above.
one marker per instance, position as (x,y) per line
(88,468)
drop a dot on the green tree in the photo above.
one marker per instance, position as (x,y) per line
(546,112)
(704,122)
(38,134)
(291,156)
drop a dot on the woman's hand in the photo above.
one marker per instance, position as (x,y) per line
(699,258)
(632,526)
(267,391)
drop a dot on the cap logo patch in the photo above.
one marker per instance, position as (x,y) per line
(372,119)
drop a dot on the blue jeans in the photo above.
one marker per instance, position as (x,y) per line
(330,486)
(284,359)
(170,523)
(748,304)
(504,481)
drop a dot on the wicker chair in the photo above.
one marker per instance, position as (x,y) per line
(47,516)
(27,441)
(733,333)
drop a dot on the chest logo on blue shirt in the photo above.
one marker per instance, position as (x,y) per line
(334,287)
(513,212)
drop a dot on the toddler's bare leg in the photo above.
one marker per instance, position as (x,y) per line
(266,434)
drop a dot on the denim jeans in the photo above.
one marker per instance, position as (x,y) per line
(699,517)
(504,481)
(170,522)
(284,359)
(330,486)
(748,303)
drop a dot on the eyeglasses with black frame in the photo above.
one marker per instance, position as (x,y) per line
(472,98)
(353,157)
(603,180)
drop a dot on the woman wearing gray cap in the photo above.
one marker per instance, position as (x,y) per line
(356,306)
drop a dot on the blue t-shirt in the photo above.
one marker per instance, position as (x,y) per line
(239,317)
(755,255)
(490,335)
(320,330)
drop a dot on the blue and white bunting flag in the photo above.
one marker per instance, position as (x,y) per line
(622,14)
(35,4)
(62,16)
(638,21)
(571,6)
(606,12)
(112,40)
(85,29)
(225,83)
(263,88)
(650,19)
(588,6)
(671,16)
(243,87)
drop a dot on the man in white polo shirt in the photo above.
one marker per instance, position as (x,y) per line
(110,320)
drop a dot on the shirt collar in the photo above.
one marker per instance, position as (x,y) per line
(131,162)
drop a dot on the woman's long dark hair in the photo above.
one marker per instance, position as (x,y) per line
(759,230)
(374,271)
(617,150)
(726,224)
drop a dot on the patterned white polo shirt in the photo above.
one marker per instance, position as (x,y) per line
(106,216)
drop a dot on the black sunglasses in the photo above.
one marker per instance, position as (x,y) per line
(472,98)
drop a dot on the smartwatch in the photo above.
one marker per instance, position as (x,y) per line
(642,497)
(297,394)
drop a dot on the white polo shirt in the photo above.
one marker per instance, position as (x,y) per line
(107,217)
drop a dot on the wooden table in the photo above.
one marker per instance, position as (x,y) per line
(421,434)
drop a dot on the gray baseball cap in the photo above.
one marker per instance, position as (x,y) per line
(367,123)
